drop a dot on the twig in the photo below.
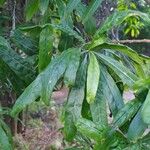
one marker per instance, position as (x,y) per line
(14,16)
(132,41)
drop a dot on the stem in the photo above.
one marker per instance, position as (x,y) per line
(132,41)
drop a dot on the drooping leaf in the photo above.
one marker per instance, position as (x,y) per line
(24,43)
(43,5)
(117,18)
(7,131)
(71,5)
(88,128)
(139,70)
(146,141)
(121,48)
(142,83)
(70,73)
(4,140)
(62,27)
(65,42)
(45,47)
(92,78)
(21,67)
(126,113)
(124,73)
(44,83)
(145,112)
(31,9)
(53,73)
(91,9)
(66,28)
(75,100)
(61,7)
(136,128)
(4,42)
(111,92)
(2,2)
(98,107)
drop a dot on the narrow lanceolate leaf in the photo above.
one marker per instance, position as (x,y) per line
(31,9)
(4,140)
(111,92)
(91,9)
(53,73)
(75,100)
(145,112)
(22,68)
(124,73)
(139,70)
(126,113)
(137,127)
(98,107)
(61,7)
(117,18)
(43,84)
(71,5)
(24,42)
(7,131)
(31,93)
(142,83)
(146,141)
(70,73)
(4,42)
(43,5)
(120,48)
(45,47)
(88,128)
(67,29)
(93,75)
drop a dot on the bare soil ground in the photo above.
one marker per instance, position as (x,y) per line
(44,131)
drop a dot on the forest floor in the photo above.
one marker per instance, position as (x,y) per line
(43,130)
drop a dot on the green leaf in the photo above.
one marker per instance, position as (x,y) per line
(121,48)
(142,83)
(75,100)
(145,112)
(7,131)
(61,7)
(4,140)
(92,78)
(2,2)
(65,42)
(124,73)
(136,128)
(117,18)
(31,9)
(71,5)
(139,70)
(4,42)
(22,68)
(66,28)
(45,47)
(146,141)
(91,9)
(43,85)
(70,73)
(126,113)
(111,92)
(98,107)
(24,42)
(62,27)
(43,5)
(53,73)
(88,128)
